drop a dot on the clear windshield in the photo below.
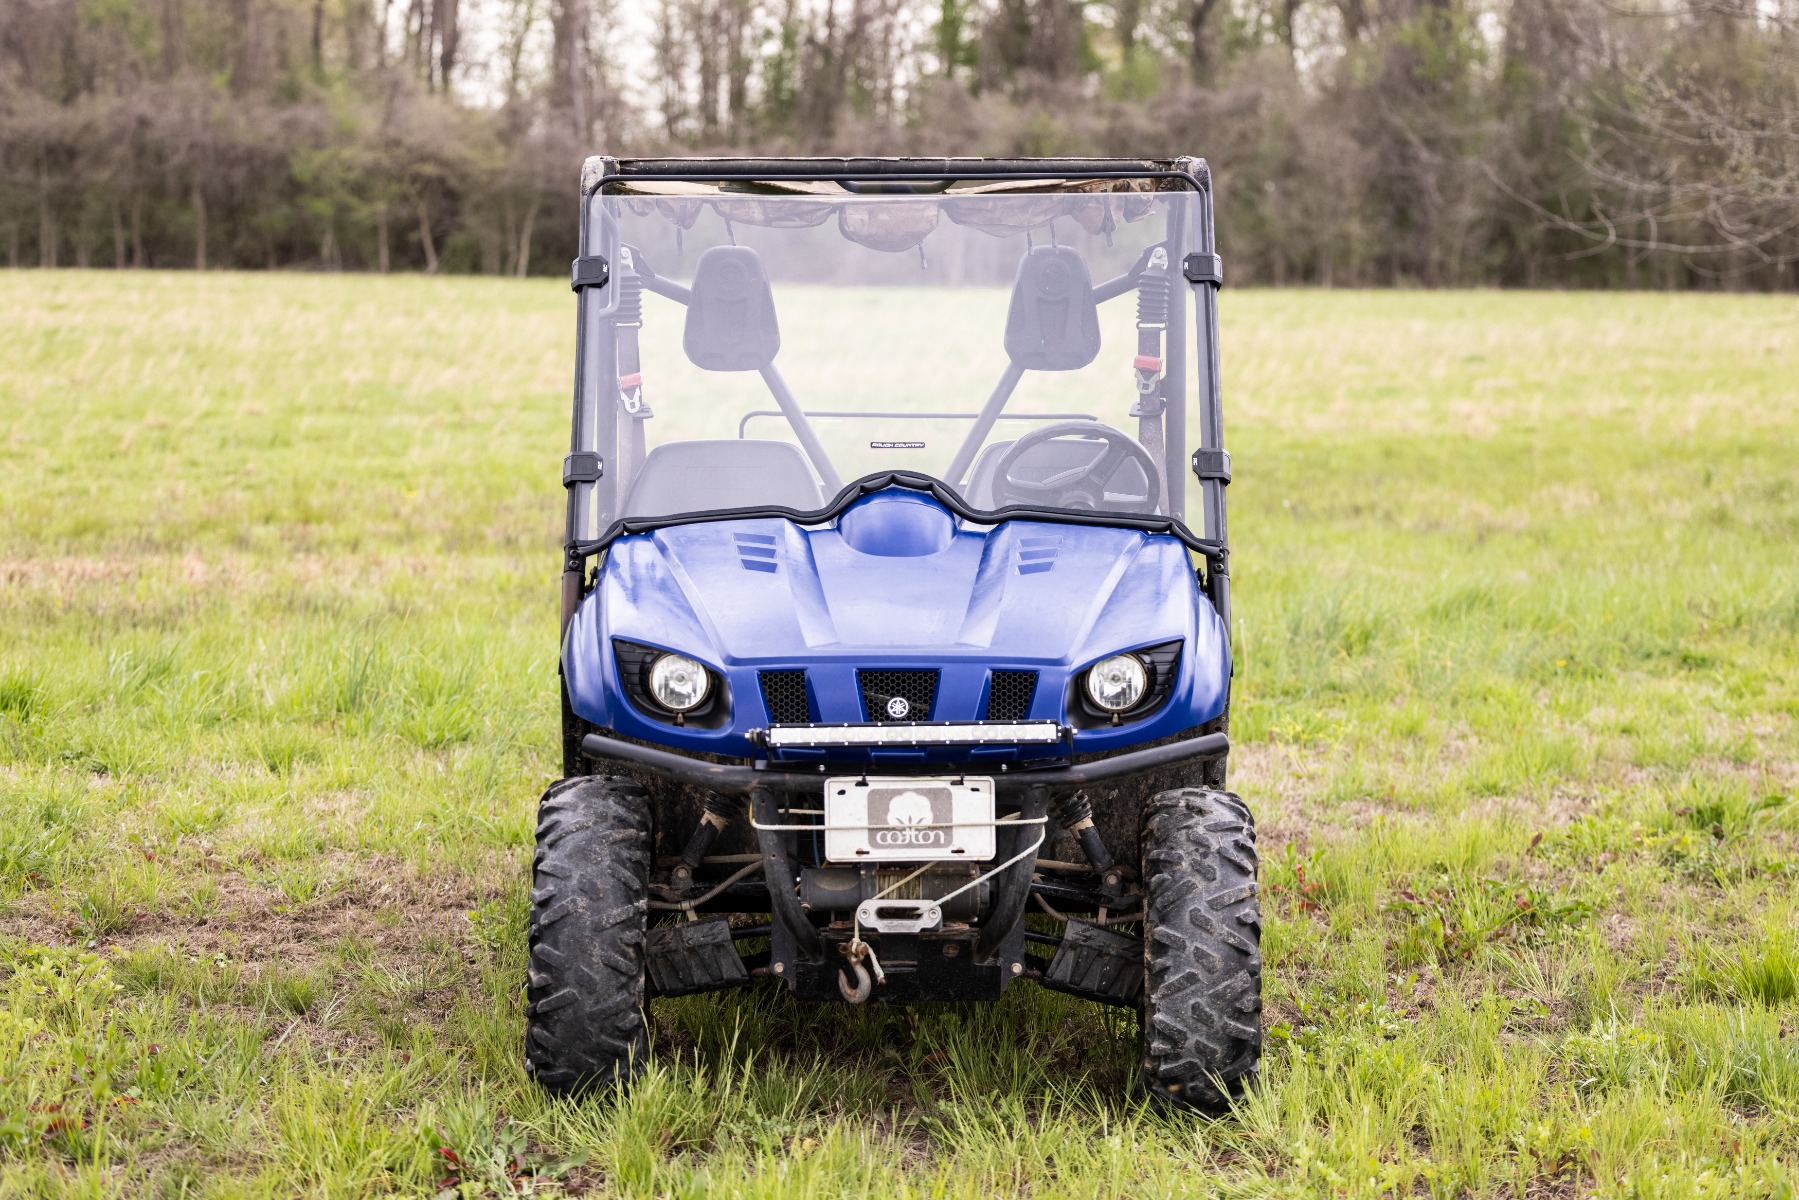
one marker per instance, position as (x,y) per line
(1024,349)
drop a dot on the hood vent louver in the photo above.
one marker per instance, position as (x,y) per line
(1037,553)
(756,551)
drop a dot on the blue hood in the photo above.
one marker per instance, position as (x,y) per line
(896,582)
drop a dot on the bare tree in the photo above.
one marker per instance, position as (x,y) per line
(1568,142)
(1688,153)
(1199,39)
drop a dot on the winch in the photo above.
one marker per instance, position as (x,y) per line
(843,889)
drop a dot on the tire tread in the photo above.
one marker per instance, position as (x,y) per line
(584,1022)
(1202,991)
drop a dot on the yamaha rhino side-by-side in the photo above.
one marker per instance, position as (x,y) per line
(895,606)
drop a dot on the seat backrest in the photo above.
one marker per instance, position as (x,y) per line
(701,476)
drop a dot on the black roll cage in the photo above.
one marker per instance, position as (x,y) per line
(593,441)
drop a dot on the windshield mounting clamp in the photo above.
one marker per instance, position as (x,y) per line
(1204,268)
(1213,464)
(589,270)
(583,466)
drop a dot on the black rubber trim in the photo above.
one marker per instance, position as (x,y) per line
(742,778)
(1213,552)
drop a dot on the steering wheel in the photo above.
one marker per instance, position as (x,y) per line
(1082,485)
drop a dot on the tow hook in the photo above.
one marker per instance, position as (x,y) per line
(856,950)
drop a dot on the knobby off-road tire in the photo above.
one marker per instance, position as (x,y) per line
(1202,928)
(584,1020)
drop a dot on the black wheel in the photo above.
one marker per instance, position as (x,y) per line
(1202,928)
(584,1021)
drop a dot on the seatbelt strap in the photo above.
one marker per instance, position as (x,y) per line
(1152,323)
(630,366)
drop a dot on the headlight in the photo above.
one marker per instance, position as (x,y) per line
(678,683)
(1117,683)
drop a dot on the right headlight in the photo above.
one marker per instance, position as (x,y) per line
(1118,683)
(678,683)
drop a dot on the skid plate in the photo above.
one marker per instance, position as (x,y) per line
(694,956)
(1098,964)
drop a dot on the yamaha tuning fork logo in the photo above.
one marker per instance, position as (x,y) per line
(905,816)
(898,707)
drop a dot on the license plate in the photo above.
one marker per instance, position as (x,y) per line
(908,819)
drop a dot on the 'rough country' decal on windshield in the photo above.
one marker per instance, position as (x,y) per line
(896,445)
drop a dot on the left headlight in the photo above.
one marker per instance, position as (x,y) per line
(678,683)
(1116,684)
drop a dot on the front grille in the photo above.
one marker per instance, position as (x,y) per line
(1009,695)
(785,694)
(881,690)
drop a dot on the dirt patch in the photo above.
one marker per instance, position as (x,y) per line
(380,908)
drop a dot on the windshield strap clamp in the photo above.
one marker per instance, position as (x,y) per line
(1204,268)
(589,271)
(583,466)
(1149,404)
(1213,464)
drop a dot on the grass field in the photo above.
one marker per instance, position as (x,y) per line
(1517,593)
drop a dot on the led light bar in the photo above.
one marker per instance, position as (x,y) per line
(915,733)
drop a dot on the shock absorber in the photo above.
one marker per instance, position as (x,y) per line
(1075,812)
(720,812)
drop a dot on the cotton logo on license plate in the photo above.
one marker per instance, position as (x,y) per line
(891,817)
(902,817)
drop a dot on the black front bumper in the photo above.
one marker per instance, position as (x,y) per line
(740,779)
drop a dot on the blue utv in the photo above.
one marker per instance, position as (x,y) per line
(885,620)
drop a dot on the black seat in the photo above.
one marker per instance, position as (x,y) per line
(702,476)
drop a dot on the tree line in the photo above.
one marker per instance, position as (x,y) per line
(1637,143)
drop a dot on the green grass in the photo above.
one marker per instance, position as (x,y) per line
(1517,706)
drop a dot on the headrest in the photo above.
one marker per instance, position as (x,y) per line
(1053,323)
(731,314)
